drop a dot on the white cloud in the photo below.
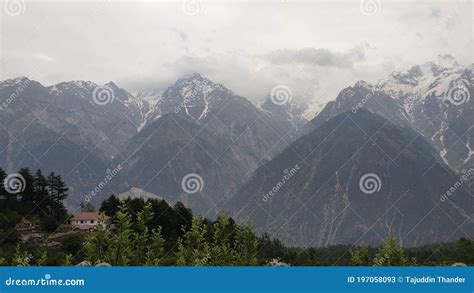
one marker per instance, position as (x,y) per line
(315,47)
(317,56)
(43,57)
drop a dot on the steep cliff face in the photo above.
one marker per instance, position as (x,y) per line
(356,179)
(159,158)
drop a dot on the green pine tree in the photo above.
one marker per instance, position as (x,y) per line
(121,250)
(390,254)
(221,251)
(43,260)
(360,256)
(21,258)
(67,262)
(246,245)
(156,248)
(98,244)
(28,194)
(142,235)
(41,192)
(465,251)
(193,250)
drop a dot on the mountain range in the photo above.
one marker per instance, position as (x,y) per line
(433,98)
(298,179)
(314,192)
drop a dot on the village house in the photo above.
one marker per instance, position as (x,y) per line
(88,220)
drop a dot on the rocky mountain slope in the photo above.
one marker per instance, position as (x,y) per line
(82,129)
(433,98)
(356,179)
(159,158)
(204,129)
(41,130)
(291,114)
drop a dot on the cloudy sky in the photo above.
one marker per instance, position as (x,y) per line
(314,47)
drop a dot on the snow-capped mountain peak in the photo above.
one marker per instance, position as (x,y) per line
(437,99)
(423,80)
(193,95)
(79,88)
(15,81)
(193,85)
(363,84)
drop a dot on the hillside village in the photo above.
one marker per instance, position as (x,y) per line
(83,222)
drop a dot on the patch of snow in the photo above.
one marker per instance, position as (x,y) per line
(206,108)
(15,81)
(314,109)
(148,106)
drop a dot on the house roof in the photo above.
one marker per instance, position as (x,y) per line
(84,227)
(88,216)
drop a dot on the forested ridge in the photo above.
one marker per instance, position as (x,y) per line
(152,232)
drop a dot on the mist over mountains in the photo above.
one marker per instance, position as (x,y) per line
(298,178)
